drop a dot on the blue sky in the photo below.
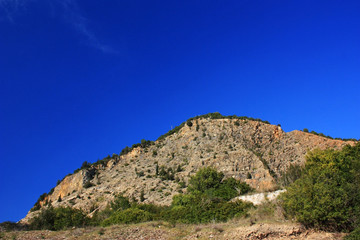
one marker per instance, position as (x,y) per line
(82,79)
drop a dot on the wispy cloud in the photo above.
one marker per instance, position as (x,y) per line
(70,13)
(73,16)
(10,8)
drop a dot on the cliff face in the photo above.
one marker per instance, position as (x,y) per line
(252,151)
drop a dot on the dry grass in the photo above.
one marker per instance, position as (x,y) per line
(157,230)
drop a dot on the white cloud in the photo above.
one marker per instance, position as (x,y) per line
(71,14)
(79,22)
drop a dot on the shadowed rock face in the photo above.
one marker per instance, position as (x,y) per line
(252,151)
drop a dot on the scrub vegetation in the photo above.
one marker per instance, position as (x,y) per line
(207,200)
(327,195)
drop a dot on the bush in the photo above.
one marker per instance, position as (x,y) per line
(231,188)
(327,195)
(59,218)
(199,208)
(9,226)
(120,203)
(131,215)
(210,182)
(207,199)
(189,123)
(291,175)
(85,165)
(88,184)
(354,235)
(37,205)
(205,179)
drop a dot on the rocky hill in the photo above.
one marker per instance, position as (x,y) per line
(251,150)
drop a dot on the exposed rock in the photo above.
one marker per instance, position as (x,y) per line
(259,198)
(252,151)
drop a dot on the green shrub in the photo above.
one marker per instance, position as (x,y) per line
(207,199)
(166,174)
(155,210)
(291,175)
(88,184)
(209,181)
(131,215)
(85,165)
(59,218)
(327,195)
(9,226)
(231,188)
(120,203)
(199,208)
(189,123)
(37,205)
(142,195)
(354,235)
(205,179)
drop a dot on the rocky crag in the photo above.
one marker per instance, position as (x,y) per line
(251,150)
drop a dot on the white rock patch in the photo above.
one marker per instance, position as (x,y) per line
(259,198)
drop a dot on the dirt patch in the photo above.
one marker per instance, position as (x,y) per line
(160,230)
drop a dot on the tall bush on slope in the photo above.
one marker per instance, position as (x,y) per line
(327,195)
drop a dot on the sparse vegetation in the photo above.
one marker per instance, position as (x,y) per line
(327,136)
(208,194)
(207,200)
(215,115)
(37,205)
(167,174)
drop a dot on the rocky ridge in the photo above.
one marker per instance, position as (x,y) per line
(253,151)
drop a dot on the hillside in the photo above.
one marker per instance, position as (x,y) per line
(251,150)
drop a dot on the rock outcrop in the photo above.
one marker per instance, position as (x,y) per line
(252,151)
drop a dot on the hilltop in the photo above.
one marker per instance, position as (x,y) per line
(247,149)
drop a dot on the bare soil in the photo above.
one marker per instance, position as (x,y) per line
(240,229)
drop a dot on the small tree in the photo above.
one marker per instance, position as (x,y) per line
(327,195)
(189,123)
(178,169)
(120,202)
(142,195)
(205,179)
(85,165)
(157,169)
